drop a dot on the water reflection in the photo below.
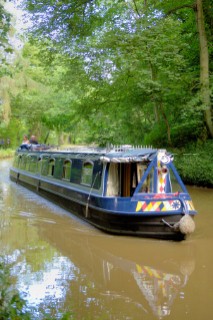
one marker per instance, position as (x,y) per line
(61,263)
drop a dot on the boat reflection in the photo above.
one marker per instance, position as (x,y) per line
(146,274)
(59,262)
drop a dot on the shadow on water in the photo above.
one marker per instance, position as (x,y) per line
(62,263)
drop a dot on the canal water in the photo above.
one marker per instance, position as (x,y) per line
(59,263)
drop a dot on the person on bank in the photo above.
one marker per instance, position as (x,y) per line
(33,140)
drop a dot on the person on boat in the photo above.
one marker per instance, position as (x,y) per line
(25,143)
(25,140)
(33,140)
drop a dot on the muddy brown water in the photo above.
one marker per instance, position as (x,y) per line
(59,263)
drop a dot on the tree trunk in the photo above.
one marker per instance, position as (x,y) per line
(204,67)
(155,101)
(167,124)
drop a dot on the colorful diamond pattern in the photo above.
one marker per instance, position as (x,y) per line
(158,206)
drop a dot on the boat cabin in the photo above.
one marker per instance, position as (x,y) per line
(114,175)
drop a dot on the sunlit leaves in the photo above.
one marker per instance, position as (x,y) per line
(120,67)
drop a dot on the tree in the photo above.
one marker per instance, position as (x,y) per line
(5,49)
(204,66)
(134,63)
(198,8)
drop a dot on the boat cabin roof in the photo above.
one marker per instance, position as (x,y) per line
(129,155)
(118,154)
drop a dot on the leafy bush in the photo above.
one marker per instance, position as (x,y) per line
(157,136)
(194,164)
(183,133)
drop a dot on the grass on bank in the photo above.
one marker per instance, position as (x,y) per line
(6,153)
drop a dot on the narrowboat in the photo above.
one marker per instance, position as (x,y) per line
(121,190)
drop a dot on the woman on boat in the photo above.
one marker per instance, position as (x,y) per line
(25,140)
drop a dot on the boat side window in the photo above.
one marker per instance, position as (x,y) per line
(67,170)
(44,165)
(174,184)
(28,160)
(141,168)
(76,171)
(87,171)
(51,167)
(113,182)
(17,161)
(23,162)
(33,163)
(148,184)
(97,174)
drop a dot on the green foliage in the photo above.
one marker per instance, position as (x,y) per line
(5,46)
(194,164)
(183,133)
(12,305)
(108,72)
(12,131)
(156,137)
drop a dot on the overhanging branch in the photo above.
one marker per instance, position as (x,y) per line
(191,6)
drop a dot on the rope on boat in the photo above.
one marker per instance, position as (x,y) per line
(186,225)
(87,204)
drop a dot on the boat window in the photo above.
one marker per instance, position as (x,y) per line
(51,166)
(175,186)
(28,160)
(97,174)
(23,162)
(141,168)
(44,165)
(113,180)
(76,171)
(58,169)
(33,164)
(67,169)
(148,185)
(17,161)
(87,172)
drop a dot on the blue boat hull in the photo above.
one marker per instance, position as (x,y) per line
(104,213)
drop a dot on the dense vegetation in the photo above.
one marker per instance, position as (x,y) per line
(121,71)
(194,164)
(117,71)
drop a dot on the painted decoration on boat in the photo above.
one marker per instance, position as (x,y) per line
(189,205)
(114,189)
(171,205)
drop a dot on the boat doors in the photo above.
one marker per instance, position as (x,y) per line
(122,179)
(129,179)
